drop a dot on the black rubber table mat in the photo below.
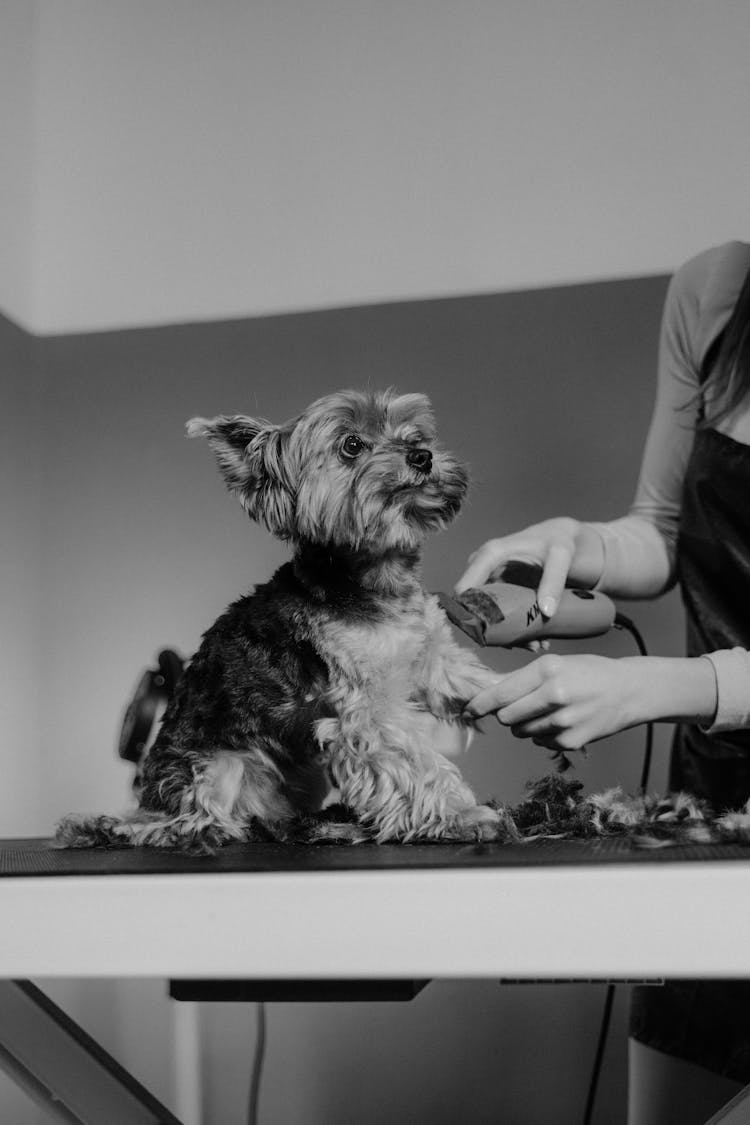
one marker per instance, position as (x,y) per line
(40,857)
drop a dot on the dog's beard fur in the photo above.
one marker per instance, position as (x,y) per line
(341,670)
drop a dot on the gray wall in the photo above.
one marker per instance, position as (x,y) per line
(137,545)
(21,551)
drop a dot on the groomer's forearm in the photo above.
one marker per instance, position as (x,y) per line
(672,689)
(637,557)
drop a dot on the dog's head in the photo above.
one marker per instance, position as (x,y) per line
(360,470)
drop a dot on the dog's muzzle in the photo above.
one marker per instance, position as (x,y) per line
(419,459)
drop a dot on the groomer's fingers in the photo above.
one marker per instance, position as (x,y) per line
(543,724)
(487,558)
(538,706)
(515,685)
(554,744)
(552,582)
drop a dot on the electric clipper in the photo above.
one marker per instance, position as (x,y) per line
(507,615)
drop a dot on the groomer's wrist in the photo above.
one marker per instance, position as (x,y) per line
(674,689)
(587,565)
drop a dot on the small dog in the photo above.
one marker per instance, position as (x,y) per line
(337,681)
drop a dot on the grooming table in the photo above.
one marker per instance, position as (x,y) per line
(296,916)
(544,909)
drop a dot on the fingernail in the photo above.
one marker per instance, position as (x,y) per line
(548,606)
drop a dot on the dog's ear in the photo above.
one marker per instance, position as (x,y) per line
(230,439)
(251,457)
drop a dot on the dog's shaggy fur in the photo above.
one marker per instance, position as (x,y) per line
(340,674)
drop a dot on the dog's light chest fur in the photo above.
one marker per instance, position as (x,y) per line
(392,654)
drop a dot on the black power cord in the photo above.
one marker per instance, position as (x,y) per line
(609,1000)
(621,622)
(260,1050)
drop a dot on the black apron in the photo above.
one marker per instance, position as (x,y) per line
(708,1022)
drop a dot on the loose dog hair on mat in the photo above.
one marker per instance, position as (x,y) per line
(319,704)
(554,808)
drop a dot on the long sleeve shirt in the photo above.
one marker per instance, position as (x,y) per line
(640,548)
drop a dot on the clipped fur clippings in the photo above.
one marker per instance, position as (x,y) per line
(555,809)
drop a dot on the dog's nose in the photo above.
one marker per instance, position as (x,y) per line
(419,459)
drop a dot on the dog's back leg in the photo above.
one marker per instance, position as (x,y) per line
(230,792)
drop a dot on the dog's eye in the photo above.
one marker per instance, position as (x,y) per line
(351,447)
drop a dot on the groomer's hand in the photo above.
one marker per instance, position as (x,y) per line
(564,702)
(562,547)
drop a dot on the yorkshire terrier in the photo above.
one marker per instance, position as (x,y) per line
(338,682)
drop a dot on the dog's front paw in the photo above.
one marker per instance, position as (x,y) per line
(482,823)
(441,734)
